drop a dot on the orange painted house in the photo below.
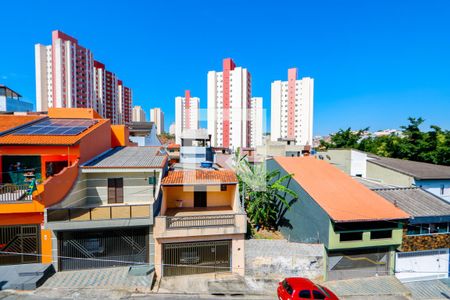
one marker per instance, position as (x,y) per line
(47,150)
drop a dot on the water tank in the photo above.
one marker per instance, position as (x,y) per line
(206,164)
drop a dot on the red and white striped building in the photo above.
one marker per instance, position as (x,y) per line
(186,114)
(68,76)
(292,109)
(230,119)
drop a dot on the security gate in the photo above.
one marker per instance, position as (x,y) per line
(23,240)
(102,248)
(196,258)
(361,263)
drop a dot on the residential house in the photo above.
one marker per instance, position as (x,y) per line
(359,229)
(195,146)
(202,224)
(400,172)
(144,134)
(426,239)
(107,218)
(39,159)
(392,171)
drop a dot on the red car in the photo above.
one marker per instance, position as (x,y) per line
(301,288)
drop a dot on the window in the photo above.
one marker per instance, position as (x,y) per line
(305,294)
(318,295)
(115,190)
(287,287)
(413,230)
(381,234)
(350,236)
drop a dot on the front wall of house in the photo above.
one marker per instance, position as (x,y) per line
(388,176)
(335,243)
(305,221)
(136,187)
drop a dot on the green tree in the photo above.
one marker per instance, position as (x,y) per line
(413,144)
(263,193)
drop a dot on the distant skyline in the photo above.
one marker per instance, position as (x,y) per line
(375,63)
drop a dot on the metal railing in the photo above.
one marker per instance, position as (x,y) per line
(77,214)
(200,221)
(14,193)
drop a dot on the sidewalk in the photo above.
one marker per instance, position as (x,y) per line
(383,287)
(217,284)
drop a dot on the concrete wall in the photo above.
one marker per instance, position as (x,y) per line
(351,162)
(341,159)
(388,176)
(280,258)
(306,221)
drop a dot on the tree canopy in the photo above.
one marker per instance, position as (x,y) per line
(431,146)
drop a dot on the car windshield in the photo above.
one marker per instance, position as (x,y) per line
(323,290)
(287,287)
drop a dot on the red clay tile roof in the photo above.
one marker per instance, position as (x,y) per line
(192,177)
(11,139)
(173,146)
(8,122)
(342,198)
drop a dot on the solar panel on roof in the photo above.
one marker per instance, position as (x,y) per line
(56,127)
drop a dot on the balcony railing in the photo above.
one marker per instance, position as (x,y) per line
(200,221)
(76,214)
(10,193)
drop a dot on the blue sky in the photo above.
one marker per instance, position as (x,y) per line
(374,62)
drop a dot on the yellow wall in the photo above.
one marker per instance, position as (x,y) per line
(214,197)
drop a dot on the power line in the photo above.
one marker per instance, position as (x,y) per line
(189,266)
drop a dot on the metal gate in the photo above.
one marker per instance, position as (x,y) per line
(196,258)
(23,240)
(353,264)
(100,249)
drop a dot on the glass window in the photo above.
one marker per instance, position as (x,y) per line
(318,295)
(287,287)
(424,229)
(441,227)
(413,230)
(305,294)
(381,234)
(350,236)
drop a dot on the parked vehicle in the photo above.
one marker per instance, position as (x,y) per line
(302,288)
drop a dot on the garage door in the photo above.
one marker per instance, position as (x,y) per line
(102,248)
(19,244)
(353,264)
(196,258)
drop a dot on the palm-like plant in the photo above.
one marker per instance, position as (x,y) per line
(262,192)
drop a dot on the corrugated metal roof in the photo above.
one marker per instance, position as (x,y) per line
(415,201)
(372,184)
(419,170)
(129,157)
